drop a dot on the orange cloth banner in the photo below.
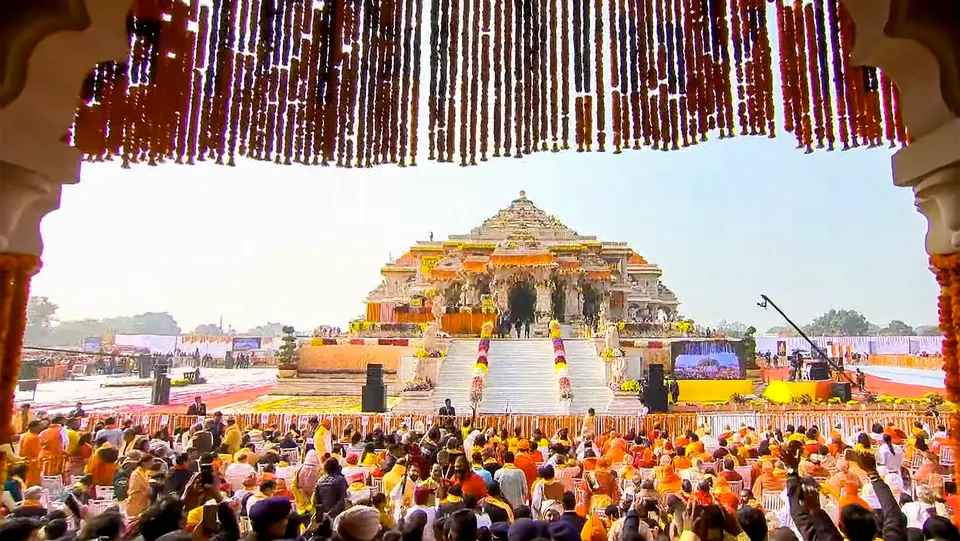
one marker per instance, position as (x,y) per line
(468,323)
(373,312)
(907,361)
(352,358)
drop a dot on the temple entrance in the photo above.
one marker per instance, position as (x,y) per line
(591,305)
(559,299)
(522,300)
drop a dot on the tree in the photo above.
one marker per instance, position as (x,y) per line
(927,330)
(897,328)
(269,329)
(41,313)
(208,329)
(287,353)
(732,329)
(750,346)
(839,323)
(783,330)
(154,323)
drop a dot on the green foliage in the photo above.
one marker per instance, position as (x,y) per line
(269,329)
(750,346)
(208,329)
(897,328)
(42,331)
(839,323)
(287,353)
(731,329)
(927,330)
(41,313)
(782,330)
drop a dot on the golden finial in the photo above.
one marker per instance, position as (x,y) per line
(523,194)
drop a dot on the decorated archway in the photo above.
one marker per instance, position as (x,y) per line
(195,86)
(522,299)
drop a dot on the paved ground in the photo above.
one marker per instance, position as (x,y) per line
(889,380)
(223,388)
(244,390)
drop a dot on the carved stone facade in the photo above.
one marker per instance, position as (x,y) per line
(522,250)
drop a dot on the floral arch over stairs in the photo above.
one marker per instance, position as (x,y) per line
(359,83)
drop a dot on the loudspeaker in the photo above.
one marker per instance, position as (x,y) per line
(819,372)
(841,390)
(655,376)
(655,399)
(144,366)
(374,394)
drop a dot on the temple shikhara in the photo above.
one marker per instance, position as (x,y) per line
(523,264)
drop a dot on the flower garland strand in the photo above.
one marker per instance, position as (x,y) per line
(483,365)
(334,82)
(560,362)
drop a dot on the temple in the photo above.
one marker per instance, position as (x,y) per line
(526,265)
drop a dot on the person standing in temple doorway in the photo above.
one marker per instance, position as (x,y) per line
(516,325)
(526,329)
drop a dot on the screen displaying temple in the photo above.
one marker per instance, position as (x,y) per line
(707,359)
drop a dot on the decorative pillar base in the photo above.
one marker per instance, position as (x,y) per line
(15,273)
(947,269)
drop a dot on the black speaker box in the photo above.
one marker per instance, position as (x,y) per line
(841,390)
(374,394)
(655,376)
(655,398)
(819,372)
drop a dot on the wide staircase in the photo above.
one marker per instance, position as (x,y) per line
(521,378)
(586,375)
(456,369)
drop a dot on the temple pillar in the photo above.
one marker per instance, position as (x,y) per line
(49,48)
(572,307)
(917,44)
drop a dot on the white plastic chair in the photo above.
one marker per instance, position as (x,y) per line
(245,525)
(772,500)
(376,485)
(286,472)
(95,507)
(104,492)
(290,456)
(52,483)
(746,472)
(735,487)
(946,456)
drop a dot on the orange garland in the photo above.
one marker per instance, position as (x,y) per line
(339,82)
(15,273)
(947,270)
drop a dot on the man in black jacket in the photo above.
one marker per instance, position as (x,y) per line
(330,496)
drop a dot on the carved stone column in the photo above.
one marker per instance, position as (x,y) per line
(917,44)
(49,47)
(571,304)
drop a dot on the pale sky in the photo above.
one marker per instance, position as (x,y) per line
(726,220)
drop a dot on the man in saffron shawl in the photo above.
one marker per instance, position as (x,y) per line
(600,486)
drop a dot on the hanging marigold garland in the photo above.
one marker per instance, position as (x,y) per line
(485,81)
(508,77)
(554,74)
(947,270)
(466,97)
(337,81)
(598,50)
(564,73)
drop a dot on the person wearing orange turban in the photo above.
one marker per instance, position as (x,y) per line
(669,481)
(526,461)
(724,496)
(768,480)
(600,486)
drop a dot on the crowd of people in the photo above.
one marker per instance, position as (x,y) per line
(219,481)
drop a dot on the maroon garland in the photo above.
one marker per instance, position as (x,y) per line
(340,82)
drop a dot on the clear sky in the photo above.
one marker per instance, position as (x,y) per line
(726,220)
